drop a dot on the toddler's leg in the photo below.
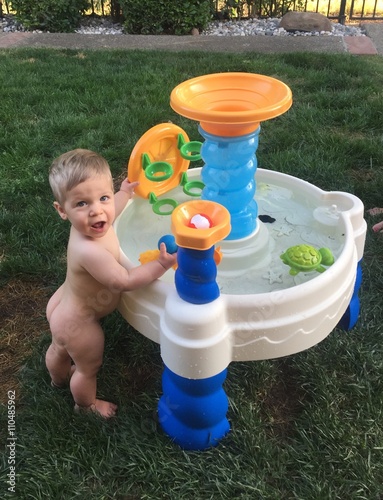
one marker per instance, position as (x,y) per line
(58,363)
(57,358)
(87,350)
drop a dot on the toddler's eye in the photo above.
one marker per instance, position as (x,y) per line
(104,198)
(81,204)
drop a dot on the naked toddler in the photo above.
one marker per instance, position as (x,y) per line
(82,186)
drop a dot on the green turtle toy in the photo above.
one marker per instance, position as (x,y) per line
(307,258)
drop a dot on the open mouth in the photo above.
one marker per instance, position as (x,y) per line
(99,226)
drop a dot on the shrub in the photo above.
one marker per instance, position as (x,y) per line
(50,15)
(238,9)
(171,17)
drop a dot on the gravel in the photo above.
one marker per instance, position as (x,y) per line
(251,27)
(270,27)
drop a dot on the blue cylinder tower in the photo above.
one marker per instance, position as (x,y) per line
(229,178)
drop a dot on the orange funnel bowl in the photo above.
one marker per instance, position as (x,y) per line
(231,104)
(200,239)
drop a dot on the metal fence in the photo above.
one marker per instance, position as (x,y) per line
(340,10)
(369,10)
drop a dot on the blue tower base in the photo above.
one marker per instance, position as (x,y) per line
(351,315)
(193,412)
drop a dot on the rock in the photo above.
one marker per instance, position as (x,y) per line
(194,32)
(305,21)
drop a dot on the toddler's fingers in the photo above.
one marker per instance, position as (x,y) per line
(378,227)
(163,248)
(375,211)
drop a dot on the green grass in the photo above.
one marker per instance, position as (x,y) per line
(309,426)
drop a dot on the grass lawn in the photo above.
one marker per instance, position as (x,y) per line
(309,426)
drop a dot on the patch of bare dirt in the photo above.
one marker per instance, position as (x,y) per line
(283,402)
(22,313)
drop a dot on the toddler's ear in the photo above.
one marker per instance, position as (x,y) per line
(60,210)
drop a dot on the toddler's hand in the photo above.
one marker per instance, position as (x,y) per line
(128,187)
(378,228)
(166,259)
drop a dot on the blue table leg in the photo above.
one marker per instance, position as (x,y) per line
(193,412)
(351,315)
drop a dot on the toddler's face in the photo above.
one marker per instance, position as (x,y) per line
(90,206)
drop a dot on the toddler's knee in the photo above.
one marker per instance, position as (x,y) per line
(91,369)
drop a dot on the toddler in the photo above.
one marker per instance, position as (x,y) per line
(82,186)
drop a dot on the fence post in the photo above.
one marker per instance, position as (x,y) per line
(342,12)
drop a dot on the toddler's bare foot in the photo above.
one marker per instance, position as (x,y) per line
(66,382)
(103,408)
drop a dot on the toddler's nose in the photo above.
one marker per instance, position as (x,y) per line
(96,209)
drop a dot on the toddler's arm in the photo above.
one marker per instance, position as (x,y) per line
(106,270)
(122,196)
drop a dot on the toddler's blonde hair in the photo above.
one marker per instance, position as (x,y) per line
(74,167)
